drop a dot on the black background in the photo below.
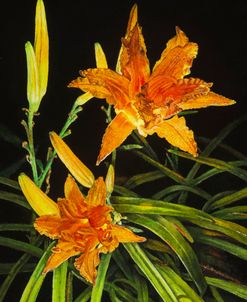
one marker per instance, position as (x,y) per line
(219,27)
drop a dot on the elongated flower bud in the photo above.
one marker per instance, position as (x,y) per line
(37,199)
(100,56)
(109,180)
(33,93)
(81,173)
(41,46)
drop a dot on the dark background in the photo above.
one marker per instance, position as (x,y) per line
(219,27)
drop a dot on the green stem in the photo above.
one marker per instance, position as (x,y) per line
(71,118)
(31,147)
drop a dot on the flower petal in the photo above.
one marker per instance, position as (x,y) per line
(49,226)
(178,134)
(61,252)
(117,131)
(37,199)
(84,98)
(72,191)
(169,92)
(134,61)
(89,260)
(104,84)
(82,174)
(97,194)
(132,22)
(211,99)
(177,58)
(125,235)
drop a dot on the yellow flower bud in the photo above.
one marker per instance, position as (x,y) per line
(41,46)
(81,173)
(33,94)
(37,199)
(109,180)
(100,56)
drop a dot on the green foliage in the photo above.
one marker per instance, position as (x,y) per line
(190,227)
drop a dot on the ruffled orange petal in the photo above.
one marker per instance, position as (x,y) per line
(169,93)
(177,58)
(72,209)
(89,260)
(99,215)
(49,225)
(178,134)
(117,131)
(97,194)
(125,235)
(104,83)
(60,253)
(134,61)
(211,99)
(81,173)
(132,22)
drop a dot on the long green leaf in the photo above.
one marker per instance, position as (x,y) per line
(118,291)
(142,178)
(149,270)
(232,213)
(85,295)
(17,199)
(21,246)
(183,291)
(185,213)
(124,191)
(168,232)
(216,163)
(9,182)
(16,227)
(161,194)
(59,283)
(5,268)
(168,172)
(32,288)
(229,199)
(231,287)
(157,207)
(16,268)
(100,280)
(202,237)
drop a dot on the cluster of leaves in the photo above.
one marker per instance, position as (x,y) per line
(191,253)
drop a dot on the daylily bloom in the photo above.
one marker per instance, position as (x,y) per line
(82,225)
(149,101)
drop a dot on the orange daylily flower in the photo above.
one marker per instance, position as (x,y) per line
(82,225)
(150,101)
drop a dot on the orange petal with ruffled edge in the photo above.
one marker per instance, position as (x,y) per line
(89,260)
(177,57)
(81,173)
(178,134)
(116,132)
(125,235)
(49,226)
(211,99)
(168,92)
(134,61)
(104,84)
(131,23)
(37,199)
(60,253)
